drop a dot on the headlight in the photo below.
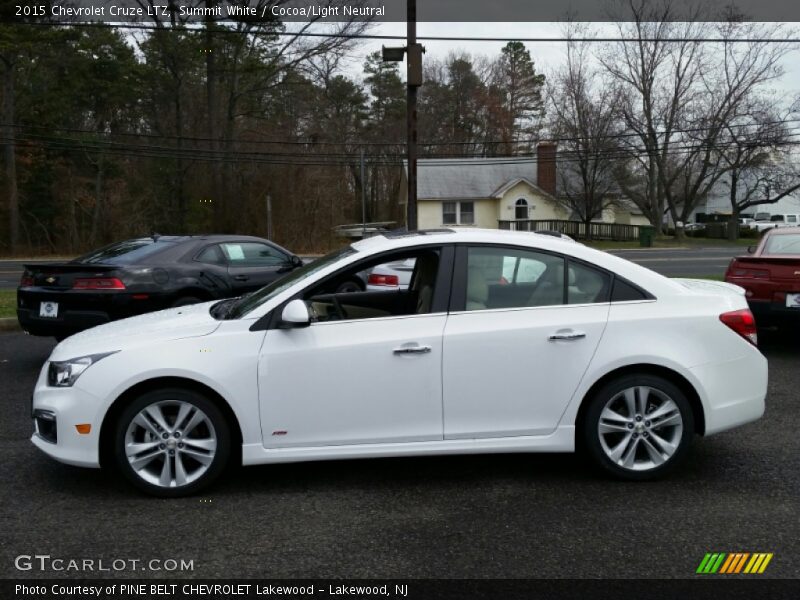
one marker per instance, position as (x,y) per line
(65,373)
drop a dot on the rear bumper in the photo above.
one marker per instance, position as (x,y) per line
(772,313)
(71,321)
(734,392)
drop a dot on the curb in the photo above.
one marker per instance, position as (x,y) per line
(10,324)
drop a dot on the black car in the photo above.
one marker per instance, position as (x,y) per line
(142,275)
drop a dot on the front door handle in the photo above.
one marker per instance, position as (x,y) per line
(567,336)
(412,350)
(241,277)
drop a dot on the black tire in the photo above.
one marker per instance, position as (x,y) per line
(168,396)
(349,286)
(661,388)
(186,301)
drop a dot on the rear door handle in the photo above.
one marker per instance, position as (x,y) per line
(567,336)
(412,350)
(241,277)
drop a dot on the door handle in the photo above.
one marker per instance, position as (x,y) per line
(241,277)
(412,350)
(567,336)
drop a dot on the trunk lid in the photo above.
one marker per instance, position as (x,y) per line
(61,276)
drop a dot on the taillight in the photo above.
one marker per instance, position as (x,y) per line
(749,273)
(742,322)
(98,283)
(26,280)
(378,279)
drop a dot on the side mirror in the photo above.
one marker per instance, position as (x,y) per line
(751,249)
(296,261)
(295,314)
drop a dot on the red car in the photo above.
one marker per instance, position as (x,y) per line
(770,275)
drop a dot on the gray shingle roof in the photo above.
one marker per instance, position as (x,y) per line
(469,177)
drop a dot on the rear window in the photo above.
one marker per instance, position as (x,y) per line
(788,243)
(125,253)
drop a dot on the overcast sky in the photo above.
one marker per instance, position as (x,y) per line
(546,56)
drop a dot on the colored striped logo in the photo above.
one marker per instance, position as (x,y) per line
(734,562)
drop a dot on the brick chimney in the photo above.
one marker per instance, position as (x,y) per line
(546,166)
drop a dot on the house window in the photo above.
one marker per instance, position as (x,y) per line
(449,213)
(521,209)
(458,213)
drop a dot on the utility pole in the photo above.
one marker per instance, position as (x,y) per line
(363,198)
(413,52)
(413,81)
(269,216)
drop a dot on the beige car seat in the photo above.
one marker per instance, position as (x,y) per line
(477,289)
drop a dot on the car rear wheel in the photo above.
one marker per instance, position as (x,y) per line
(638,427)
(172,442)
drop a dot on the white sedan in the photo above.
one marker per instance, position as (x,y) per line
(502,342)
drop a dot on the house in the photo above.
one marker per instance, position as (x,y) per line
(492,192)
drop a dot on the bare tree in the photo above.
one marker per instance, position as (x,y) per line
(584,120)
(759,160)
(680,96)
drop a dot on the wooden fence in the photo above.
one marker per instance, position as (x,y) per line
(576,229)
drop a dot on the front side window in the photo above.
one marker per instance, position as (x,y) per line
(252,301)
(512,278)
(412,296)
(776,218)
(253,254)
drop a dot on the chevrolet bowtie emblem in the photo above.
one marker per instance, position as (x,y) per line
(50,280)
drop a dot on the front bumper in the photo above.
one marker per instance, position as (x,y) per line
(69,407)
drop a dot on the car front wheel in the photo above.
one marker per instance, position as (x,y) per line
(638,427)
(172,442)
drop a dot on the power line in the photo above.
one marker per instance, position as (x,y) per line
(429,38)
(357,143)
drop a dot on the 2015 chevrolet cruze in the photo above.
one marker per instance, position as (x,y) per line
(503,342)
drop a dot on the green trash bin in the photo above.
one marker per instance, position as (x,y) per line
(647,233)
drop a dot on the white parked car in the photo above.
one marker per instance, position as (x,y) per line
(502,342)
(783,220)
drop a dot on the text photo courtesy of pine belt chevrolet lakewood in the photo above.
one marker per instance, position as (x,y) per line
(142,275)
(502,342)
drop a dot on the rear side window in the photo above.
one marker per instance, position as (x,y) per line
(512,278)
(587,285)
(625,292)
(783,244)
(253,254)
(211,255)
(126,253)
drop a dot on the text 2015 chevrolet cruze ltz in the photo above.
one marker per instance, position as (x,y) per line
(503,342)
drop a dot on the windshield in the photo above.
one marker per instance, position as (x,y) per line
(244,305)
(783,244)
(125,253)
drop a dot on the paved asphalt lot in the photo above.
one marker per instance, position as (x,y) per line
(671,262)
(462,517)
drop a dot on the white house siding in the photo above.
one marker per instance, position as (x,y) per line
(429,213)
(540,206)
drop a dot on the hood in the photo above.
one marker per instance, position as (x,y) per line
(170,324)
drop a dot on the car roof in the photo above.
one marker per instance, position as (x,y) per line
(649,280)
(783,230)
